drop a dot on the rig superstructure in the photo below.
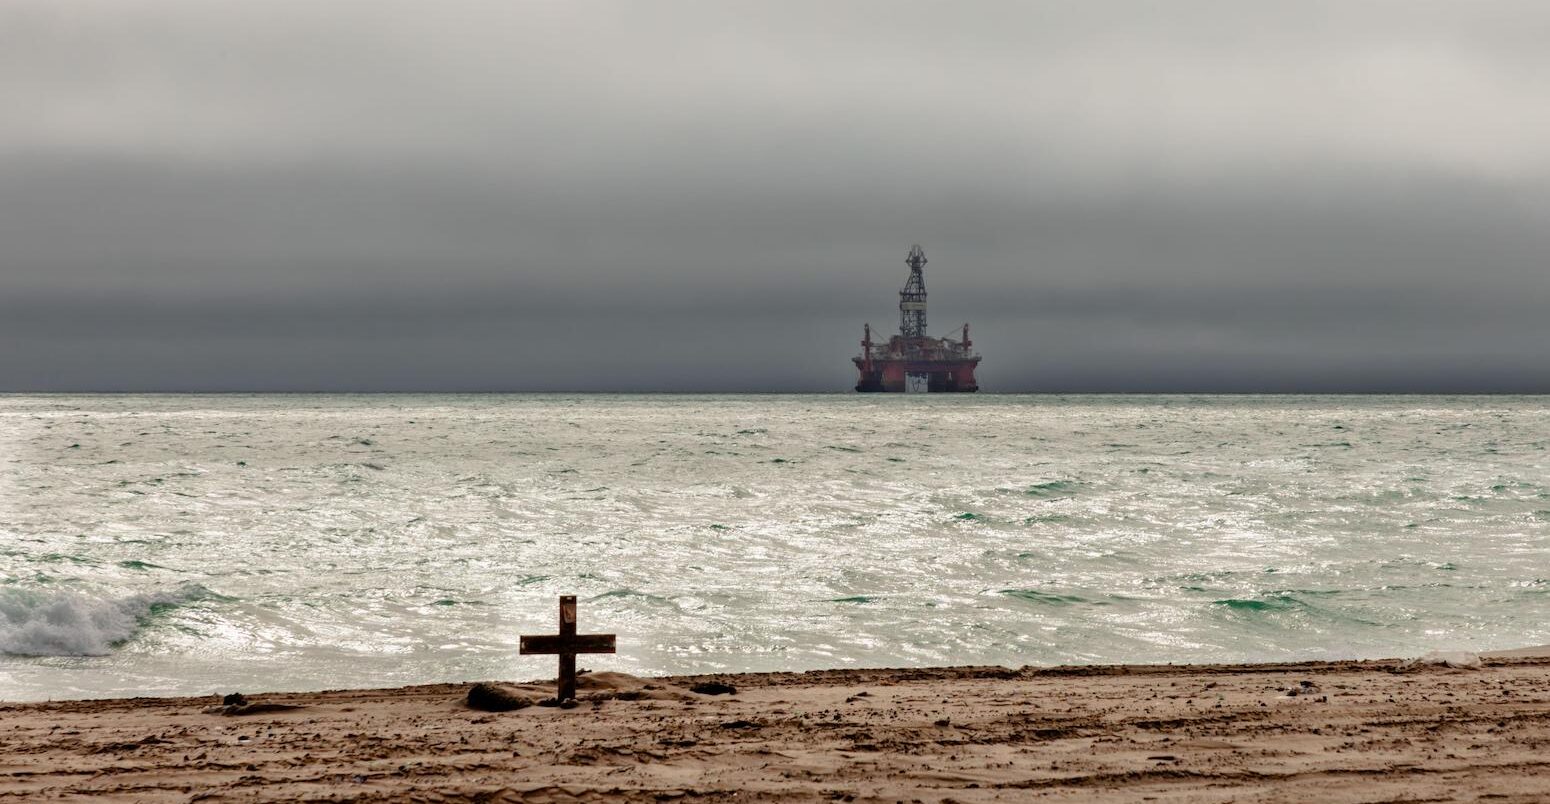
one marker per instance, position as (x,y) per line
(913,360)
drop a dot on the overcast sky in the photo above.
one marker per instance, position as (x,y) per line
(1142,196)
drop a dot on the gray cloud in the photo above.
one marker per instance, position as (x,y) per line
(616,196)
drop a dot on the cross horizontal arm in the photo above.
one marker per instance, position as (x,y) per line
(580,643)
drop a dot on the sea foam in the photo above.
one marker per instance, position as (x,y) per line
(71,624)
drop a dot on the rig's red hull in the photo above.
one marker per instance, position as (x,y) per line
(944,364)
(892,376)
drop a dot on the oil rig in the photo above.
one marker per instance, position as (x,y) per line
(913,360)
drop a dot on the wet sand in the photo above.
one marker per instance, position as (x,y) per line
(1309,732)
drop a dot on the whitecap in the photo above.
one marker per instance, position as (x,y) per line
(34,623)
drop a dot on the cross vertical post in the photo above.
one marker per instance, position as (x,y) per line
(567,680)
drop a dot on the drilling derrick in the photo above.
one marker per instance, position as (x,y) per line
(912,358)
(912,299)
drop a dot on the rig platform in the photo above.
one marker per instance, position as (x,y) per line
(913,360)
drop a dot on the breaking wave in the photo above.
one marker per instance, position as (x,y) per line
(71,624)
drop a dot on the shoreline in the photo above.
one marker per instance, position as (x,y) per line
(1142,668)
(1331,731)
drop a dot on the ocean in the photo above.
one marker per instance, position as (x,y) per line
(176,544)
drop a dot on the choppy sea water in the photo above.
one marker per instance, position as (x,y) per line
(193,544)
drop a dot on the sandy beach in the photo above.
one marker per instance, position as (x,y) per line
(1335,732)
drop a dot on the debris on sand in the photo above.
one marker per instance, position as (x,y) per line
(238,704)
(1462,659)
(490,698)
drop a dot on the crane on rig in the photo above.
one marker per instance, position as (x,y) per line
(913,359)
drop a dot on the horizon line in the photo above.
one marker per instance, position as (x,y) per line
(489,392)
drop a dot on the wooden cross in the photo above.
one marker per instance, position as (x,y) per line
(567,644)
